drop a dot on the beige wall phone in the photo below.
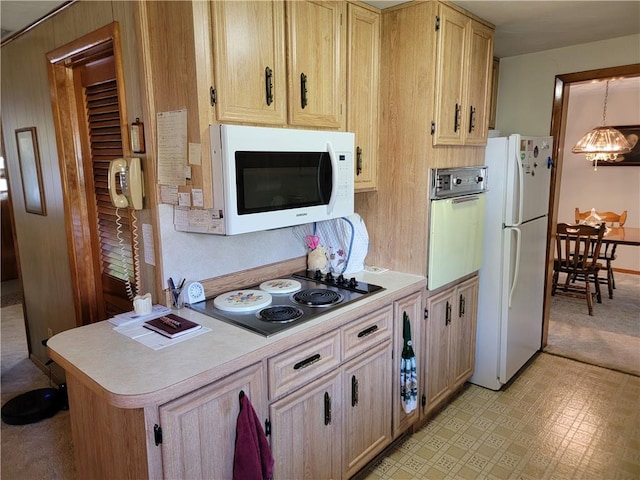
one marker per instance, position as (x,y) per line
(130,184)
(129,176)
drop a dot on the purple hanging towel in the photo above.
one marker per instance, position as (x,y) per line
(252,458)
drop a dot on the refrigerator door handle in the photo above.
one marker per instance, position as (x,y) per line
(520,190)
(516,272)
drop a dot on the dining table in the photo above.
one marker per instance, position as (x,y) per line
(622,236)
(613,237)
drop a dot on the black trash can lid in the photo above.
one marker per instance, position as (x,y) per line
(33,406)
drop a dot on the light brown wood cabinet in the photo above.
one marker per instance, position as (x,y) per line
(450,342)
(325,429)
(464,62)
(366,393)
(412,306)
(256,64)
(316,61)
(307,429)
(249,62)
(363,91)
(198,429)
(326,394)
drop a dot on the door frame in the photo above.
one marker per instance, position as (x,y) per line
(61,62)
(558,129)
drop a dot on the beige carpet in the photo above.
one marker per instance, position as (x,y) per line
(41,450)
(610,338)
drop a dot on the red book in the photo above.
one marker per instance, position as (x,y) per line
(172,325)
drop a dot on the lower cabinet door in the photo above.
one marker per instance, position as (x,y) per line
(412,306)
(305,431)
(366,387)
(438,332)
(199,429)
(463,334)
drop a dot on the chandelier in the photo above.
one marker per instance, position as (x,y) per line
(602,144)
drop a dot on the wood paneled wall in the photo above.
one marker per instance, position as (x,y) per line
(26,102)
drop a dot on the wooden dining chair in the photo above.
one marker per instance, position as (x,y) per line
(577,252)
(608,251)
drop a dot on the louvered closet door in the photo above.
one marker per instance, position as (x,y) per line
(111,239)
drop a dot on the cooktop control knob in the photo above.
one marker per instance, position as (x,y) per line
(328,277)
(479,179)
(341,280)
(458,181)
(317,275)
(353,283)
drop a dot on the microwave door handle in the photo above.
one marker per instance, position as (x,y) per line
(334,179)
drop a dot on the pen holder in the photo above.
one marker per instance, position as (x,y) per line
(177,302)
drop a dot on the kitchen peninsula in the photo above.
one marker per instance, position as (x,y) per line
(143,413)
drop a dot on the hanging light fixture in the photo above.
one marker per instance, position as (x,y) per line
(602,144)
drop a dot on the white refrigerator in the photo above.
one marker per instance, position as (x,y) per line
(511,294)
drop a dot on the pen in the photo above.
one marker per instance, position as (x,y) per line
(170,322)
(181,284)
(174,292)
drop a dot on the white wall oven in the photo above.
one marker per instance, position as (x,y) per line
(456,223)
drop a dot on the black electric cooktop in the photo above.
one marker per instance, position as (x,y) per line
(279,304)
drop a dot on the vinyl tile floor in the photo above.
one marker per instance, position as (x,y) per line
(559,419)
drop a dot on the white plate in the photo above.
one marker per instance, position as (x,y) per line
(242,300)
(281,285)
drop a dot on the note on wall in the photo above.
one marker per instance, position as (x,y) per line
(149,249)
(172,147)
(195,154)
(169,194)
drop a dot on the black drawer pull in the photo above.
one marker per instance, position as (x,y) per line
(472,119)
(268,84)
(354,391)
(447,317)
(303,90)
(368,331)
(327,408)
(307,361)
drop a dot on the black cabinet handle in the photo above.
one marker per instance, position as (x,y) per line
(354,391)
(457,119)
(358,161)
(447,317)
(307,361)
(303,90)
(268,85)
(461,306)
(472,119)
(368,331)
(327,408)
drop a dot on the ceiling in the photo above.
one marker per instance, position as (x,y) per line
(532,26)
(522,26)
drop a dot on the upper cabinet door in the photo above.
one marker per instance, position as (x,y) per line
(463,76)
(480,46)
(450,76)
(363,27)
(249,62)
(317,63)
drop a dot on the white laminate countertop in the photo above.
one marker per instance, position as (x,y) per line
(131,375)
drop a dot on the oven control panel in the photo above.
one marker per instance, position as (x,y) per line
(455,182)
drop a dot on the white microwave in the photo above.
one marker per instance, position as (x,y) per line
(266,178)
